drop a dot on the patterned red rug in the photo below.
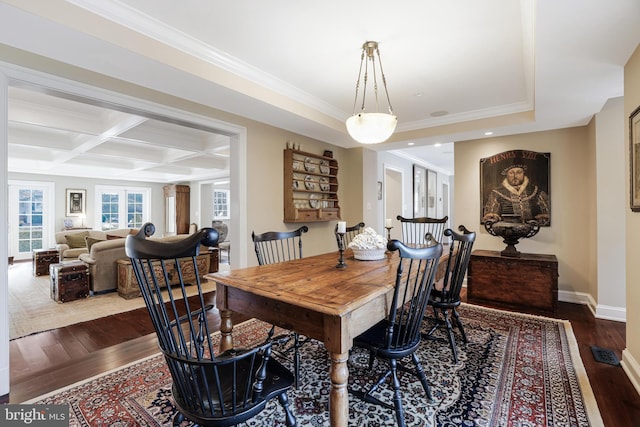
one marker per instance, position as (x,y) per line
(516,370)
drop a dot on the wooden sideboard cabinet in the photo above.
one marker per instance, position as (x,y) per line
(528,283)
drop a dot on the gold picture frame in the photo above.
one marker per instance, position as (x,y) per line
(634,156)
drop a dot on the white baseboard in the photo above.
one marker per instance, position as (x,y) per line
(600,311)
(631,368)
(576,298)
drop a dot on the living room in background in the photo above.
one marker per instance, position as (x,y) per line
(31,208)
(121,207)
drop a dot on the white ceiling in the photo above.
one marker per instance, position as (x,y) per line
(502,66)
(53,135)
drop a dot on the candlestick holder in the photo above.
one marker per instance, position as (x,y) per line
(388,236)
(341,263)
(388,233)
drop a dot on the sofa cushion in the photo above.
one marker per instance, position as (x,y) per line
(113,237)
(90,241)
(76,240)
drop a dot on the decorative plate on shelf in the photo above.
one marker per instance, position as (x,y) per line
(313,202)
(308,183)
(296,165)
(324,184)
(295,184)
(324,167)
(309,166)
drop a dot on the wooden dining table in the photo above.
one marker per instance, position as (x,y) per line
(314,298)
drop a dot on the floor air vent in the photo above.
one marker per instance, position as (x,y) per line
(604,355)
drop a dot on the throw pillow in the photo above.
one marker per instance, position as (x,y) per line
(114,236)
(76,240)
(90,242)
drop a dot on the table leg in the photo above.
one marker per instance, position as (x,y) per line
(226,327)
(339,396)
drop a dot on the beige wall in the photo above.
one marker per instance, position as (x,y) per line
(265,204)
(569,236)
(611,167)
(352,177)
(631,355)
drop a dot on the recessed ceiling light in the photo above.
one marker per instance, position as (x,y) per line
(487,133)
(437,144)
(411,143)
(439,113)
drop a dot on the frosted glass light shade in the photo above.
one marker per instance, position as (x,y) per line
(371,128)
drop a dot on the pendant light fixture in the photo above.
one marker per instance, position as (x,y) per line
(375,127)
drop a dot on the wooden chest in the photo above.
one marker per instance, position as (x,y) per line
(528,283)
(69,281)
(42,259)
(128,284)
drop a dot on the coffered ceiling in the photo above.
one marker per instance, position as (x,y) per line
(53,135)
(455,70)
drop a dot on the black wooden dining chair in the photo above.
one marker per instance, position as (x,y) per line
(398,336)
(414,230)
(208,389)
(280,246)
(445,297)
(350,233)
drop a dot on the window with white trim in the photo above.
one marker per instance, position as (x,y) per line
(220,204)
(122,207)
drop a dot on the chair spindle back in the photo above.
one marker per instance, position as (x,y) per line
(458,262)
(414,230)
(414,281)
(278,246)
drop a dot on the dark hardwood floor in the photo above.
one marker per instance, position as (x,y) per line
(46,361)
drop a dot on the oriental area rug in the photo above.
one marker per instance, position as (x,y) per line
(516,370)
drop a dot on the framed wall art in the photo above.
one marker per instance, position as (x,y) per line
(432,178)
(514,186)
(419,191)
(634,156)
(76,202)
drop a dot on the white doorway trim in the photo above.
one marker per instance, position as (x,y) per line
(391,195)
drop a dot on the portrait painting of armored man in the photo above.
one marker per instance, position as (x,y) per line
(514,186)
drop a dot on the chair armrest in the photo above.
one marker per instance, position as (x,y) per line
(86,258)
(61,247)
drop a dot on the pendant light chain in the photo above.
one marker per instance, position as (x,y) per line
(384,80)
(355,100)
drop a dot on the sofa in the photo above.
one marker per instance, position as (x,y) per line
(71,243)
(103,257)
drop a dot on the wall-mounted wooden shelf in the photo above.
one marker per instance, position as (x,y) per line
(310,187)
